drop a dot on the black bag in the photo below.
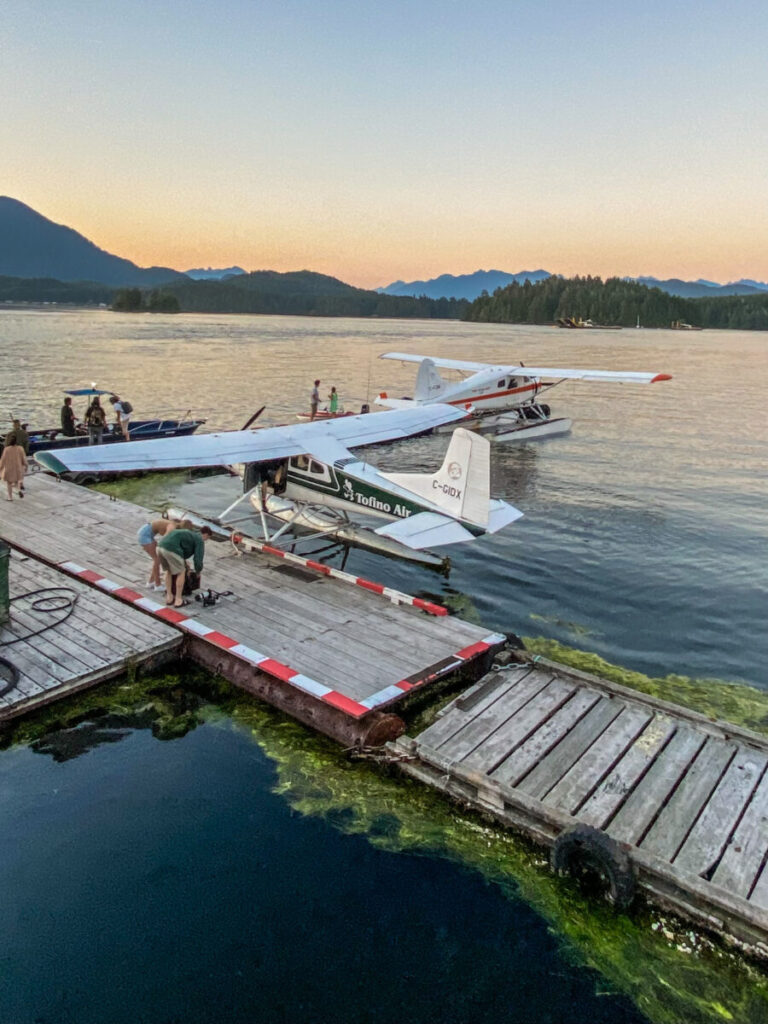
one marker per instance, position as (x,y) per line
(191,581)
(127,408)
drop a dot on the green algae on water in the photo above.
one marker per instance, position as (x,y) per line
(153,490)
(735,702)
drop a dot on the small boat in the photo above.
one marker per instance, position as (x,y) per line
(323,414)
(576,323)
(51,438)
(681,325)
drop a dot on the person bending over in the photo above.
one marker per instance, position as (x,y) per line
(173,549)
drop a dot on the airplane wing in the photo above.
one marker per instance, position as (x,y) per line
(448,364)
(327,440)
(596,376)
(549,372)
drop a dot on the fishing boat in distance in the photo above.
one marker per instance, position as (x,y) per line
(681,325)
(51,438)
(576,323)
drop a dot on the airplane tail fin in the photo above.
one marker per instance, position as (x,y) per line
(462,485)
(429,384)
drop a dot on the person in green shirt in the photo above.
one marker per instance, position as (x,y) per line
(333,402)
(173,550)
(22,437)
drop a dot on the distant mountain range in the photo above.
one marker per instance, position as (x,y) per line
(471,286)
(702,289)
(33,246)
(209,274)
(463,286)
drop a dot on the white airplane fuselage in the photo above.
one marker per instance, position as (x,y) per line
(493,389)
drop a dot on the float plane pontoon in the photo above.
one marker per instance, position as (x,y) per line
(501,401)
(419,510)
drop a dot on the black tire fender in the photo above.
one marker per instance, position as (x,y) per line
(581,850)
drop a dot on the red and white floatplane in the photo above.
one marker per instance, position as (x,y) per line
(502,402)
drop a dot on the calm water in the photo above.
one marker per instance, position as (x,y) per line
(644,537)
(164,882)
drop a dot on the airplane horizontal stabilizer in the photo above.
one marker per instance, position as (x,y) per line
(424,530)
(501,514)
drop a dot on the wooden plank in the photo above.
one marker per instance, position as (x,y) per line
(614,789)
(668,832)
(557,762)
(515,730)
(759,896)
(586,773)
(470,735)
(528,754)
(455,718)
(708,837)
(747,848)
(649,796)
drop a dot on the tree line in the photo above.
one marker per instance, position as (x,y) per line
(615,301)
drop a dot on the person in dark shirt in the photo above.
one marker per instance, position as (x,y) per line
(96,420)
(67,418)
(173,549)
(22,437)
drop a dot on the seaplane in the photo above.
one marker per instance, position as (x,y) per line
(501,401)
(419,510)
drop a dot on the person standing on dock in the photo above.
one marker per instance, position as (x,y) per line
(68,418)
(174,548)
(123,412)
(22,437)
(333,402)
(314,400)
(95,420)
(13,466)
(148,536)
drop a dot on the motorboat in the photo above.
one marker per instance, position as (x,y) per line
(51,438)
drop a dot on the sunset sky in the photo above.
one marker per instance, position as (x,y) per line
(376,141)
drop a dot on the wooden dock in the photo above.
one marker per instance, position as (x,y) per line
(543,748)
(63,637)
(337,655)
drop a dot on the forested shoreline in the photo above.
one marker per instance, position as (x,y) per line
(612,302)
(615,301)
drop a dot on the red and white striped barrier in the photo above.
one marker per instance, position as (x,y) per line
(242,542)
(269,665)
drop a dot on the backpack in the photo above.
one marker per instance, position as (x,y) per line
(127,408)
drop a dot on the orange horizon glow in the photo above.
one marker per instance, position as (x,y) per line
(354,141)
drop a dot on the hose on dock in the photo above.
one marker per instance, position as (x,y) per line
(64,601)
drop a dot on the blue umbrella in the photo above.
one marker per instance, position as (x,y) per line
(89,391)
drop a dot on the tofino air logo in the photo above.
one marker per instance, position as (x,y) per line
(454,471)
(372,502)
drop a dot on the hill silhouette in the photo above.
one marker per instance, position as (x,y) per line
(35,247)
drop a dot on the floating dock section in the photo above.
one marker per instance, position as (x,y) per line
(62,637)
(337,652)
(542,749)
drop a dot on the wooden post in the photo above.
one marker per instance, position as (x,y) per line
(5,553)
